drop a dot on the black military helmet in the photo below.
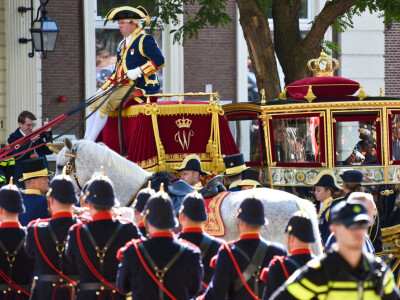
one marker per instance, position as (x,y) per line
(251,211)
(159,211)
(100,192)
(62,189)
(11,199)
(142,197)
(193,207)
(250,177)
(300,226)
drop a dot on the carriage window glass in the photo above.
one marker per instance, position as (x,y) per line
(296,140)
(108,38)
(395,137)
(247,137)
(356,143)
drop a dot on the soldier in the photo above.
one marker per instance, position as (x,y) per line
(234,165)
(190,179)
(46,241)
(138,206)
(138,58)
(16,268)
(93,246)
(239,263)
(300,235)
(36,178)
(162,266)
(192,215)
(344,272)
(249,180)
(325,188)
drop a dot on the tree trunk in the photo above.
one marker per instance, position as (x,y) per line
(261,49)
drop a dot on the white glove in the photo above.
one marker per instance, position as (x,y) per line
(134,74)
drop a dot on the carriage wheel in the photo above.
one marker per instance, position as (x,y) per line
(391,254)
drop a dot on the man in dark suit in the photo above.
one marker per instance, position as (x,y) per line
(46,241)
(36,178)
(192,215)
(26,123)
(93,246)
(247,256)
(16,267)
(162,267)
(300,235)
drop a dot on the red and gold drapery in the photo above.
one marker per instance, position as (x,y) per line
(159,135)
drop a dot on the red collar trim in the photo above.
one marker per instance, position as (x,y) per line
(192,229)
(301,251)
(102,216)
(62,214)
(249,236)
(162,234)
(10,224)
(141,224)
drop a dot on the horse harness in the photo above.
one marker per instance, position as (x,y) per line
(71,165)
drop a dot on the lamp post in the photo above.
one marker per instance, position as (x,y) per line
(44,31)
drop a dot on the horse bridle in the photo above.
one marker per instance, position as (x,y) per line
(70,166)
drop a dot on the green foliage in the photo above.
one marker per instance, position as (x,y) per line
(328,47)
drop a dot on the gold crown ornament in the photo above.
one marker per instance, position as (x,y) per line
(323,66)
(183,123)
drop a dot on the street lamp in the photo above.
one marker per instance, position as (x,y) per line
(44,31)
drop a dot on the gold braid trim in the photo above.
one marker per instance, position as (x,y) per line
(165,110)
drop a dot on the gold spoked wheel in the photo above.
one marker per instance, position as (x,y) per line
(391,246)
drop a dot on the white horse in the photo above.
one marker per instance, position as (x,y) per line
(128,177)
(89,157)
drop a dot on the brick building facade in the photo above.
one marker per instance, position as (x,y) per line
(392,60)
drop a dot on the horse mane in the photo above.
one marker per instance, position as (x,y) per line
(160,177)
(111,158)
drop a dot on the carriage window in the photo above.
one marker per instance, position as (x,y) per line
(356,142)
(395,137)
(247,137)
(296,140)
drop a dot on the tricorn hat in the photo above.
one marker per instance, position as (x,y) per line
(62,189)
(234,164)
(193,207)
(128,13)
(300,226)
(325,178)
(11,199)
(159,211)
(249,177)
(251,211)
(34,168)
(191,162)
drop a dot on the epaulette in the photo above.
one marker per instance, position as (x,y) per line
(276,258)
(264,274)
(189,243)
(213,261)
(127,245)
(37,221)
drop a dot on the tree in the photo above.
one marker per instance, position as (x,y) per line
(293,50)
